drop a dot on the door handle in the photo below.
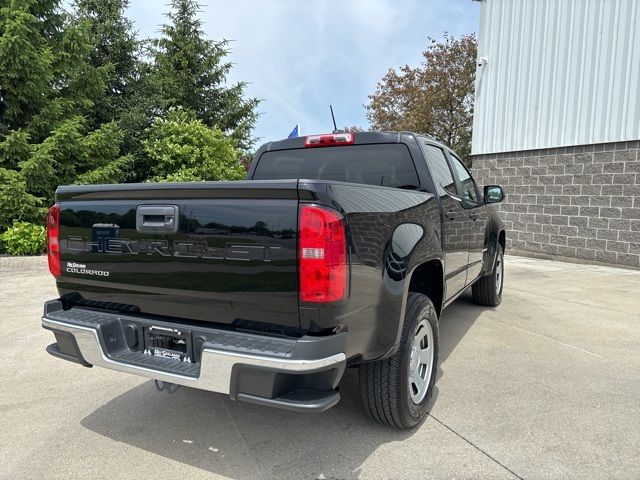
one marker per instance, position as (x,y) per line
(157,219)
(450,215)
(473,216)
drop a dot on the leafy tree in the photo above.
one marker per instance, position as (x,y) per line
(435,98)
(353,128)
(15,201)
(185,149)
(190,72)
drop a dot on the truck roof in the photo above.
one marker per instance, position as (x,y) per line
(360,139)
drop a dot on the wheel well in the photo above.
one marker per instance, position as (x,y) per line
(428,279)
(502,240)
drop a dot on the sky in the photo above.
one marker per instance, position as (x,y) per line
(299,56)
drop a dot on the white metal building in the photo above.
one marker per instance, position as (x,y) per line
(557,73)
(557,123)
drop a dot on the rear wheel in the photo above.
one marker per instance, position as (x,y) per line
(396,391)
(488,290)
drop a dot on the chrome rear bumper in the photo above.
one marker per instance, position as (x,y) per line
(228,362)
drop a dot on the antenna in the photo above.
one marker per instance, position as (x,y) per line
(335,127)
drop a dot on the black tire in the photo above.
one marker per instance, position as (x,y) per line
(486,290)
(384,384)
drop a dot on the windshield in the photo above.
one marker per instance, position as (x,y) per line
(389,165)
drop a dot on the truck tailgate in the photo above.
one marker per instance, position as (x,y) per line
(221,252)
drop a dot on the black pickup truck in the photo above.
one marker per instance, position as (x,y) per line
(338,251)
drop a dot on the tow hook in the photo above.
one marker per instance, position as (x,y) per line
(166,386)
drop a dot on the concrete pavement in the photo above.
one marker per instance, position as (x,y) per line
(544,386)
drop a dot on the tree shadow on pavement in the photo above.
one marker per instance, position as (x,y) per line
(240,440)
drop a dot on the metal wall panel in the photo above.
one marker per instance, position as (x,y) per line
(558,73)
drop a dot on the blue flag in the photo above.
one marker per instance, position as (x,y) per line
(295,132)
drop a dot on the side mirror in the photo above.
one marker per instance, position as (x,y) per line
(493,194)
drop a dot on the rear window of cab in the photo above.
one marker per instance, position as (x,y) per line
(388,165)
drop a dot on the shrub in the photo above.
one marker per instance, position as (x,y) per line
(182,149)
(24,238)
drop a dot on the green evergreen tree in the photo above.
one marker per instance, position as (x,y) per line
(26,60)
(190,72)
(83,101)
(127,99)
(49,90)
(115,45)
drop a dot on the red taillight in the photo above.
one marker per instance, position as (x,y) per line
(322,255)
(53,240)
(330,140)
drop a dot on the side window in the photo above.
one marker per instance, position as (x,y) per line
(439,168)
(469,191)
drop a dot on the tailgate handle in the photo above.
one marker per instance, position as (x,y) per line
(157,219)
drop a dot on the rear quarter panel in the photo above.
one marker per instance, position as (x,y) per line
(391,231)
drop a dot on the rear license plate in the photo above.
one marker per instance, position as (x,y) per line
(168,343)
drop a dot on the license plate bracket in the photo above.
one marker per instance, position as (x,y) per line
(167,342)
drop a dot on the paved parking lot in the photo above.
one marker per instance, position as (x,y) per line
(545,386)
